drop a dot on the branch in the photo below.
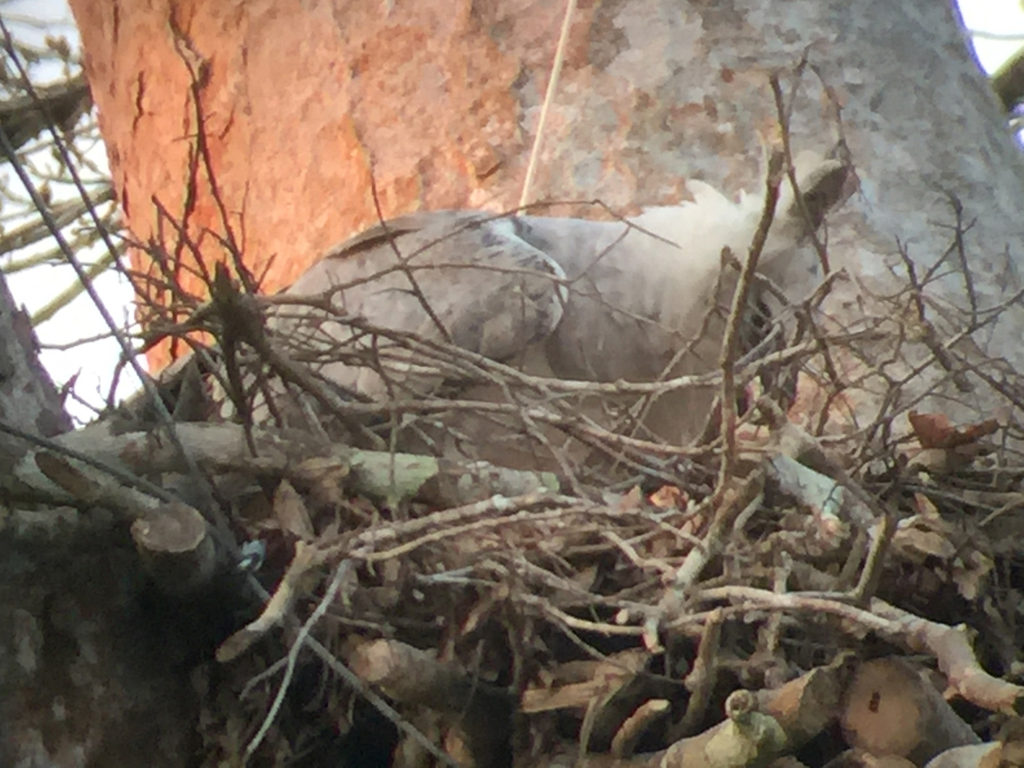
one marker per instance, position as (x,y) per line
(1008,81)
(949,645)
(410,676)
(380,475)
(25,116)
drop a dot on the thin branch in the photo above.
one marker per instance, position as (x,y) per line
(340,572)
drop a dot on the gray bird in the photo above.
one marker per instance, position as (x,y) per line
(638,301)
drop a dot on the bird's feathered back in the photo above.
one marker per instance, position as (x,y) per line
(638,300)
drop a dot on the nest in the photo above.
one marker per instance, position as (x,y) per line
(778,591)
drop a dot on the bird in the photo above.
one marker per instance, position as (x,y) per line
(636,300)
(463,277)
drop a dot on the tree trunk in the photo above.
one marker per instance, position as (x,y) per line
(438,104)
(84,678)
(28,400)
(95,672)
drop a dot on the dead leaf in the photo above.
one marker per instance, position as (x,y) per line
(970,573)
(919,537)
(291,513)
(925,506)
(934,430)
(945,461)
(669,497)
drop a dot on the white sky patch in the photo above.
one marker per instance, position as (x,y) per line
(93,363)
(992,19)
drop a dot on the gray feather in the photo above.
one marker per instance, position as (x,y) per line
(602,301)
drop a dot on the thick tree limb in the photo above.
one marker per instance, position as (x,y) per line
(1008,81)
(483,712)
(949,645)
(890,710)
(223,447)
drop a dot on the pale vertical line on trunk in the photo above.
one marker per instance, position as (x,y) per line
(556,70)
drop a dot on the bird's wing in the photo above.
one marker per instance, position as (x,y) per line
(636,300)
(641,292)
(648,299)
(463,277)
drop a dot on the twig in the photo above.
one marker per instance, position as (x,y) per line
(634,726)
(572,622)
(34,231)
(198,70)
(733,503)
(280,604)
(783,114)
(22,118)
(404,266)
(874,563)
(928,335)
(959,230)
(701,680)
(65,297)
(584,386)
(738,315)
(456,531)
(293,654)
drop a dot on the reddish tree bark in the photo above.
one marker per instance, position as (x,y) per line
(302,104)
(421,98)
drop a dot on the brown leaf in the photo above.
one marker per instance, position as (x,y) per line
(917,540)
(669,497)
(971,573)
(291,513)
(934,430)
(925,506)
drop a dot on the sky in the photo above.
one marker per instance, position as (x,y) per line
(990,19)
(93,363)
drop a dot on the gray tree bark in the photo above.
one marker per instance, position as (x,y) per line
(28,400)
(84,678)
